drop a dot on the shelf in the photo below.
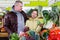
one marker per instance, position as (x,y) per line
(3,34)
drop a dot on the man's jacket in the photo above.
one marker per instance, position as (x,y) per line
(10,21)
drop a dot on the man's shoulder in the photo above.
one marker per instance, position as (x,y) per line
(10,13)
(23,12)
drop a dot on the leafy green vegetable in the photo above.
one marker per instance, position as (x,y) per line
(14,36)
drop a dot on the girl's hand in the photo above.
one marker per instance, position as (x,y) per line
(41,25)
(21,34)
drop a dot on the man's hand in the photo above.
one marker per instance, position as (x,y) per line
(26,29)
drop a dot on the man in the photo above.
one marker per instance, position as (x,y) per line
(14,20)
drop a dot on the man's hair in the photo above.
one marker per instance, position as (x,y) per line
(18,2)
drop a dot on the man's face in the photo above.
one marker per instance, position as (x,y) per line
(34,14)
(18,6)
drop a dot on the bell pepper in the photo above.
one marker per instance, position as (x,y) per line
(54,34)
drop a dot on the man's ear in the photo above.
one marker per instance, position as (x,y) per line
(13,6)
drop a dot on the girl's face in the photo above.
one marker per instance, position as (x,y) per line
(34,14)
